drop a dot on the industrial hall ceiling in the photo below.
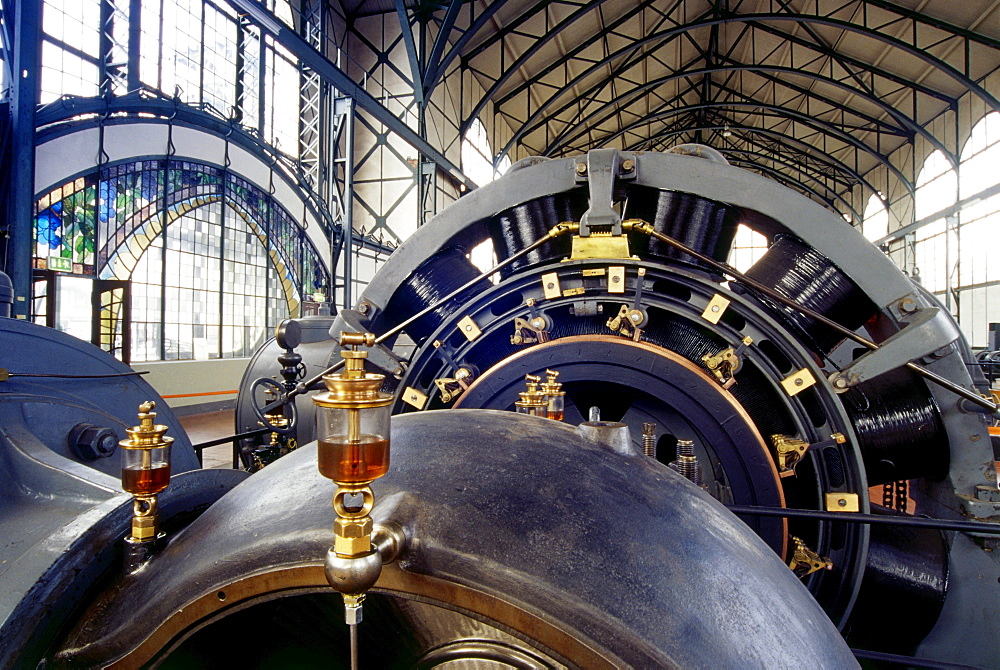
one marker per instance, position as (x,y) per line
(821,95)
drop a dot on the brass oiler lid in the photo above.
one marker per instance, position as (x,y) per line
(532,397)
(360,392)
(551,386)
(147,435)
(353,388)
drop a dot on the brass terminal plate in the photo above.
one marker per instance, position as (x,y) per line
(579,290)
(598,245)
(594,272)
(616,279)
(798,382)
(469,328)
(414,398)
(716,308)
(550,286)
(842,502)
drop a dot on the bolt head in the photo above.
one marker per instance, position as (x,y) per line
(363,308)
(581,168)
(628,165)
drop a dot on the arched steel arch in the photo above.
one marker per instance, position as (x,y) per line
(674,112)
(784,142)
(889,40)
(755,109)
(909,123)
(660,140)
(791,183)
(790,71)
(672,33)
(672,109)
(124,109)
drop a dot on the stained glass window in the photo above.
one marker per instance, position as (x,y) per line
(214,261)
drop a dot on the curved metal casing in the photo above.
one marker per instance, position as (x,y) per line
(522,526)
(61,514)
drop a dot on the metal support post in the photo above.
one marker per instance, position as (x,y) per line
(24,99)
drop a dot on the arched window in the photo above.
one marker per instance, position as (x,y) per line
(198,50)
(876,223)
(979,271)
(214,260)
(937,189)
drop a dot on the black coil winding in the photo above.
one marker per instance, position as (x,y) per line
(435,278)
(899,428)
(704,225)
(800,273)
(520,226)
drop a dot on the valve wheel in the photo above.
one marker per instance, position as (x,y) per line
(260,411)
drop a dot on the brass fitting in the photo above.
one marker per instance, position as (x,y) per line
(145,471)
(532,401)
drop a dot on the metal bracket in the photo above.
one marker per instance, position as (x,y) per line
(379,355)
(726,363)
(805,561)
(630,321)
(790,450)
(452,387)
(602,168)
(927,331)
(533,330)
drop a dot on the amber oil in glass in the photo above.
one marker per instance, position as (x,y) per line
(353,461)
(142,481)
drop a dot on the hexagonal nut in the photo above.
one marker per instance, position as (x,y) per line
(353,527)
(352,546)
(90,442)
(987,493)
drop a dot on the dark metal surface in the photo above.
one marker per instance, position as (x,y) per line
(527,514)
(42,590)
(907,567)
(87,386)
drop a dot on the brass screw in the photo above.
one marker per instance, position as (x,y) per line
(628,165)
(581,168)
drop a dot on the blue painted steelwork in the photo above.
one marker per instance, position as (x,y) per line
(21,176)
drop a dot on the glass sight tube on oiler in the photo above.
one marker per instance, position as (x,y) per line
(145,473)
(352,419)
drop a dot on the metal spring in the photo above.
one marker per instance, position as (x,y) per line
(687,464)
(649,439)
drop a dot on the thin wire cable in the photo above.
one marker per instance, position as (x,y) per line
(643,227)
(303,387)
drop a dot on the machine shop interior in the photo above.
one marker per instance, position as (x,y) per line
(499,334)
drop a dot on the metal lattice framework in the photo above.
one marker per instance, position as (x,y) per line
(819,94)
